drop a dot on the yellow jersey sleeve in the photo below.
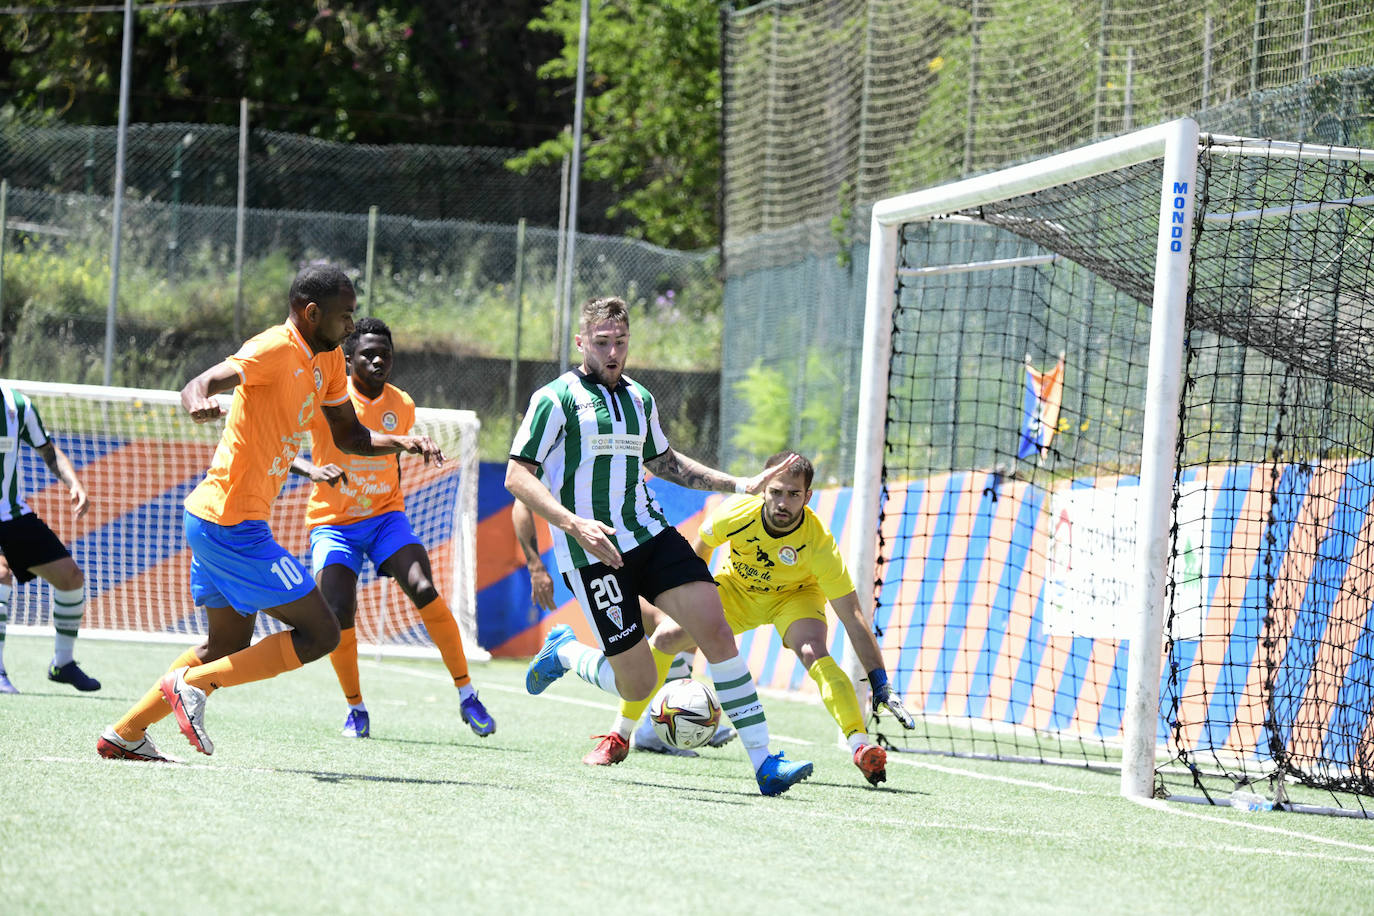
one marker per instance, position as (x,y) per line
(733,513)
(825,562)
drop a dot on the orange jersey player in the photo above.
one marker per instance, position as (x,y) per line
(357,512)
(281,378)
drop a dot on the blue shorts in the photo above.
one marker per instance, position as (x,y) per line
(376,538)
(242,567)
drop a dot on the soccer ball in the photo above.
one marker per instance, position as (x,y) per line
(685,713)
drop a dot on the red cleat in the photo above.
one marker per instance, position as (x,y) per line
(872,762)
(611,749)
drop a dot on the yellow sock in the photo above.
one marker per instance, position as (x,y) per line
(152,707)
(344,658)
(837,693)
(632,711)
(443,631)
(268,658)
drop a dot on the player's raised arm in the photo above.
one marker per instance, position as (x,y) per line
(356,439)
(594,536)
(198,397)
(677,468)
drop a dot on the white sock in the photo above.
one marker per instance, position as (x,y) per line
(624,726)
(67,610)
(465,691)
(858,740)
(589,664)
(681,666)
(739,699)
(358,707)
(5,592)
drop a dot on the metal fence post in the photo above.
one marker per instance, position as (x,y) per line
(367,270)
(240,218)
(4,233)
(511,388)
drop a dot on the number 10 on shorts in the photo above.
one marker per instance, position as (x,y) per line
(288,572)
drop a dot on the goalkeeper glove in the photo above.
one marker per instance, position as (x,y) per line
(883,696)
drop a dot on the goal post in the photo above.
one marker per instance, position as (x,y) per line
(1092,560)
(138,454)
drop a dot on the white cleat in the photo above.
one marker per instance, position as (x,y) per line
(188,703)
(113,747)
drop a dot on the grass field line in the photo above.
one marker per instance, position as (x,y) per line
(970,826)
(971,774)
(520,691)
(1161,805)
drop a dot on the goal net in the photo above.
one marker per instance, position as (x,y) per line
(139,455)
(1115,401)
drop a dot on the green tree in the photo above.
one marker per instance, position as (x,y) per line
(652,120)
(420,71)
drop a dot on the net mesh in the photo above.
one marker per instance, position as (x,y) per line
(1013,443)
(831,105)
(139,455)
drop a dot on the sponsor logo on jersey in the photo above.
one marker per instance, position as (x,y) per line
(319,379)
(787,556)
(8,444)
(389,420)
(614,444)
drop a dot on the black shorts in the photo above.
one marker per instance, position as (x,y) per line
(26,542)
(610,597)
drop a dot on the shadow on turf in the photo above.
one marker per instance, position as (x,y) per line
(325,776)
(886,788)
(728,797)
(715,796)
(476,744)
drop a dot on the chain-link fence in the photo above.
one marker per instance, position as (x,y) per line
(444,246)
(831,105)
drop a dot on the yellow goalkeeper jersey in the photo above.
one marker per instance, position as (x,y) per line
(759,562)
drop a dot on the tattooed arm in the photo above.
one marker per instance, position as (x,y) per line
(679,469)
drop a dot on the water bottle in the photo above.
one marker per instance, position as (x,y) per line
(1244,800)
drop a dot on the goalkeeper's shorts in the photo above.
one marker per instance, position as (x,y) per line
(242,567)
(746,609)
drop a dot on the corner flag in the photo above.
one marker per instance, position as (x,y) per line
(1044,394)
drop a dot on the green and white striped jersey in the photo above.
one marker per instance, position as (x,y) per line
(21,423)
(591,443)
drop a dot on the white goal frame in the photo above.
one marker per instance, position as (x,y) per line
(1177,144)
(463,594)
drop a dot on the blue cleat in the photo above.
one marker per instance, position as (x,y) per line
(477,717)
(545,667)
(357,724)
(777,774)
(71,674)
(5,685)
